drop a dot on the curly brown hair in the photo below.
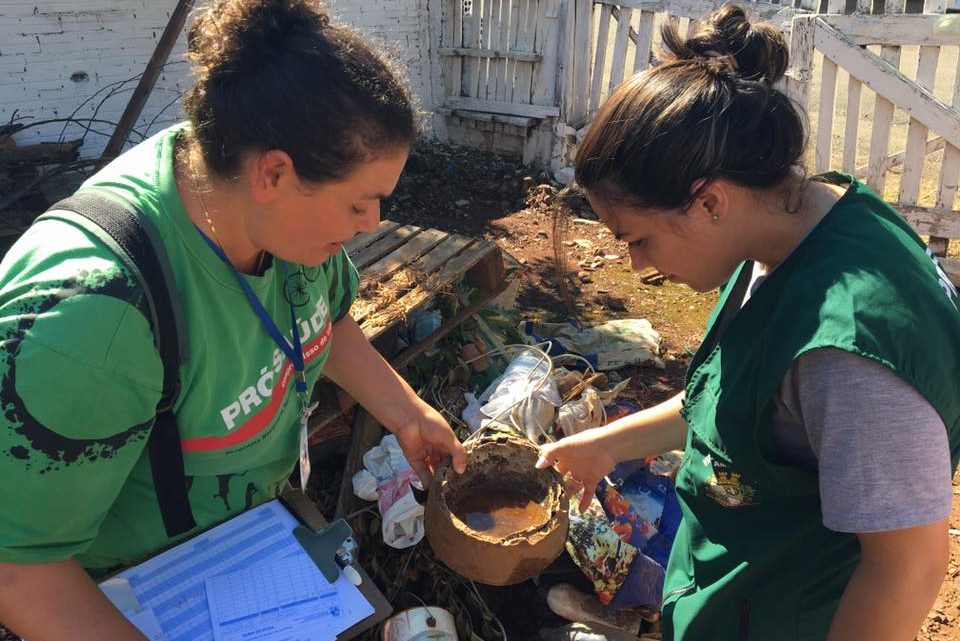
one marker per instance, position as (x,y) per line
(278,74)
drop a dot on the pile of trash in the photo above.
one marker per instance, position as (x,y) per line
(562,383)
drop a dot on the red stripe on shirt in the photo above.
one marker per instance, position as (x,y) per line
(259,421)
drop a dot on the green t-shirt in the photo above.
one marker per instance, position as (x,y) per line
(80,378)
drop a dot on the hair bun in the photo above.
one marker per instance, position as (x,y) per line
(234,35)
(728,42)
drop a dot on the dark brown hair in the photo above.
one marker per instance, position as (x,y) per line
(709,111)
(277,74)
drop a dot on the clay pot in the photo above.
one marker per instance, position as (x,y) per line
(502,521)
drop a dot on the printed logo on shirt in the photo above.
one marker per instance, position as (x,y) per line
(727,487)
(258,403)
(945,283)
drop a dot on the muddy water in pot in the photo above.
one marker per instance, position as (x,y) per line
(500,513)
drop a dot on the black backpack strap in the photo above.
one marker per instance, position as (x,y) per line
(135,241)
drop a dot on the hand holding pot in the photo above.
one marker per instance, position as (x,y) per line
(425,438)
(585,457)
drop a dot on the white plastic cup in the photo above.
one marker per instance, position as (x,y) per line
(421,624)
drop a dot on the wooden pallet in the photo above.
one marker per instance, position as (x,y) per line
(404,268)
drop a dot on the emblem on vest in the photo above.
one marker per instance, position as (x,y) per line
(727,488)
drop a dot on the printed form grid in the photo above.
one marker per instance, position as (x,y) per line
(173,583)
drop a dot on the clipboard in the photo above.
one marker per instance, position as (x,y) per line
(168,595)
(308,514)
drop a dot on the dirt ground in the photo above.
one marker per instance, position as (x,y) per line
(479,194)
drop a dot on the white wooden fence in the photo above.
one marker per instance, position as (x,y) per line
(881,86)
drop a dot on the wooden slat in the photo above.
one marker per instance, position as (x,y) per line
(828,90)
(600,58)
(620,48)
(470,75)
(548,39)
(854,91)
(486,74)
(463,52)
(514,121)
(514,27)
(644,41)
(950,169)
(509,108)
(882,121)
(916,145)
(456,40)
(383,246)
(497,30)
(405,254)
(360,241)
(581,63)
(800,71)
(522,92)
(932,221)
(892,29)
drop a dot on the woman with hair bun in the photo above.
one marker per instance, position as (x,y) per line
(296,130)
(821,415)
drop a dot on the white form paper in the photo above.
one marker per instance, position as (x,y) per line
(288,600)
(172,585)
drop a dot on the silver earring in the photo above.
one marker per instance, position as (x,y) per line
(715,217)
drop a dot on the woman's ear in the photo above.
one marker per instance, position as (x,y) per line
(713,201)
(270,173)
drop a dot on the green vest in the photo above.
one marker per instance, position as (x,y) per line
(752,559)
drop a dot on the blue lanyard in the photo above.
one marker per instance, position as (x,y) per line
(293,352)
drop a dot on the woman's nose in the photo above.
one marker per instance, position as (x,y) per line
(637,260)
(370,221)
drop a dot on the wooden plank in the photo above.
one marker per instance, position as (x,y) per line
(876,74)
(470,75)
(485,33)
(828,90)
(360,241)
(385,245)
(366,433)
(526,41)
(892,29)
(854,91)
(404,255)
(511,78)
(800,71)
(916,146)
(950,169)
(548,42)
(463,52)
(600,58)
(644,41)
(581,63)
(620,48)
(932,221)
(949,176)
(509,108)
(505,82)
(497,32)
(514,121)
(456,64)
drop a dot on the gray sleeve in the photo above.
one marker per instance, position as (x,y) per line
(881,448)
